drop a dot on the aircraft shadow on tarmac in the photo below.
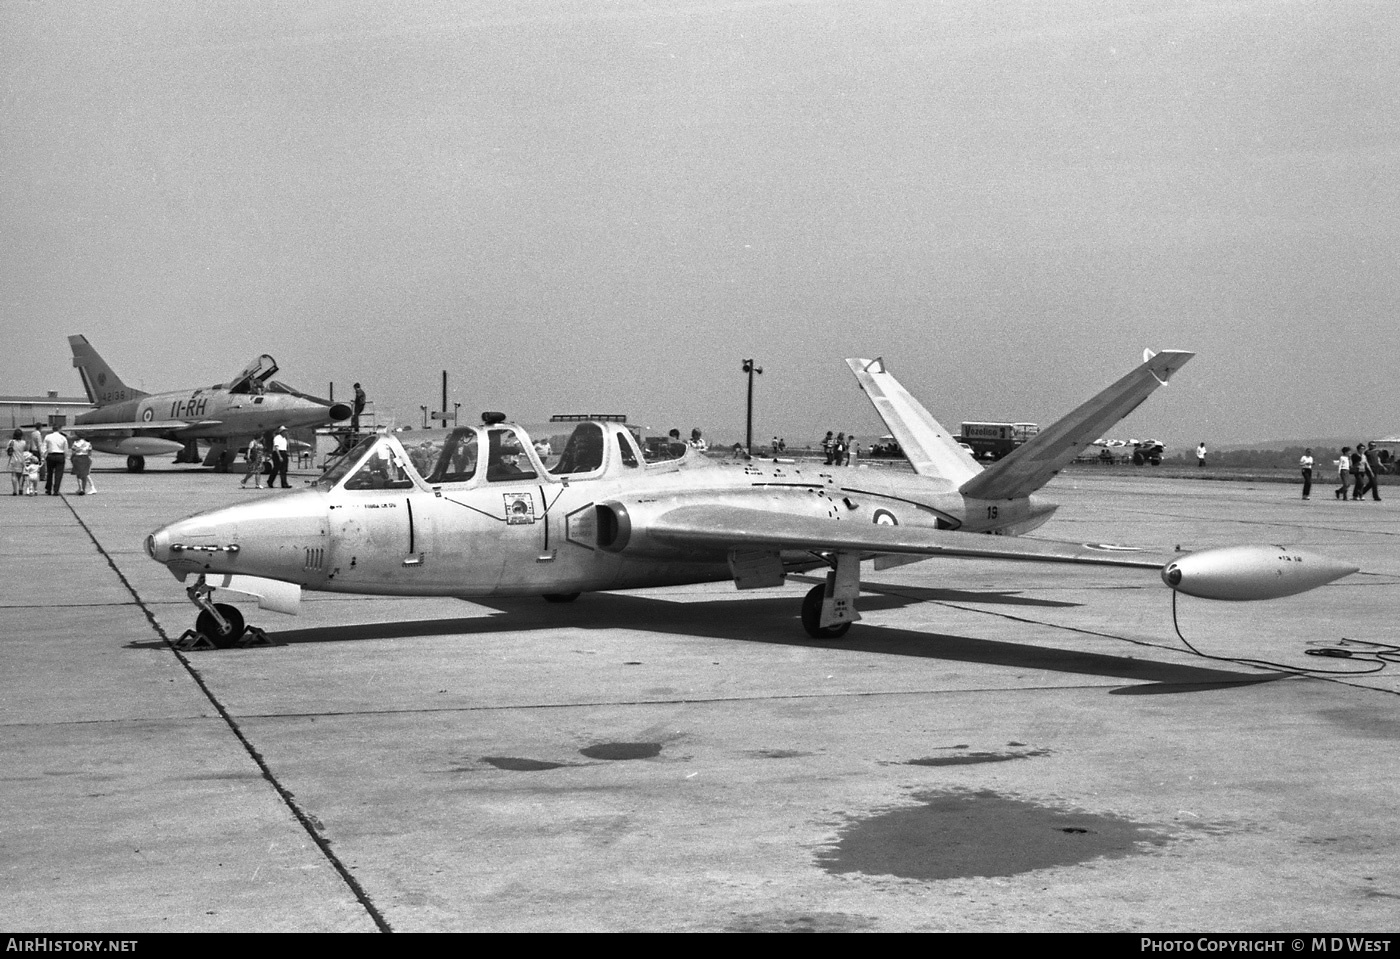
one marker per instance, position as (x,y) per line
(773,621)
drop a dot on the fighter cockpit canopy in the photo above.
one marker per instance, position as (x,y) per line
(496,452)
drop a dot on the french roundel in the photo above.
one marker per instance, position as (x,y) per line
(148,414)
(884,517)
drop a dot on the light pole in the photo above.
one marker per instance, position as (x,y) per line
(750,369)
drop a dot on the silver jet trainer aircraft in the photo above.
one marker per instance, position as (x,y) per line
(134,424)
(482,516)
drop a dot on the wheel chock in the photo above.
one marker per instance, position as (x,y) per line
(193,639)
(254,636)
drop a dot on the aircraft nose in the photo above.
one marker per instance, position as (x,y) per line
(271,537)
(158,545)
(340,411)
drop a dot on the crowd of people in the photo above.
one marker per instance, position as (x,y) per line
(37,458)
(1357,470)
(840,450)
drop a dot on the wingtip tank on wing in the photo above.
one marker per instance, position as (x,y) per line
(1241,573)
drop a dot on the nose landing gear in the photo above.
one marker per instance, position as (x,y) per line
(218,625)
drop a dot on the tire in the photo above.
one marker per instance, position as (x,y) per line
(205,624)
(136,464)
(812,616)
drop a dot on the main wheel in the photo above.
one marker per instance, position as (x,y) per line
(560,597)
(205,624)
(812,616)
(135,464)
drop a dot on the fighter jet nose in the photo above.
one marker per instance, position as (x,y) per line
(340,411)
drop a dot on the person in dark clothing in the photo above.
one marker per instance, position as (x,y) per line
(1358,472)
(1373,468)
(359,408)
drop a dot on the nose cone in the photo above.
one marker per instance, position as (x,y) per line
(1251,572)
(270,538)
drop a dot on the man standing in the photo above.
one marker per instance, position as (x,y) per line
(55,455)
(280,458)
(359,408)
(1306,464)
(1373,467)
(1201,454)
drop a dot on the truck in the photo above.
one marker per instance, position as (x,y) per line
(992,441)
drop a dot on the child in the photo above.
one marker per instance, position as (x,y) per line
(31,474)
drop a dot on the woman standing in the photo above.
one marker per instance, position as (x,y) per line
(254,456)
(15,453)
(81,455)
(1344,473)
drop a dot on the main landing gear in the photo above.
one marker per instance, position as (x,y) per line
(218,625)
(135,464)
(829,609)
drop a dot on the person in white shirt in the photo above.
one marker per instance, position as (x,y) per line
(280,458)
(55,456)
(1306,464)
(82,464)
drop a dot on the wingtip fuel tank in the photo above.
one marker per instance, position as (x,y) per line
(1251,572)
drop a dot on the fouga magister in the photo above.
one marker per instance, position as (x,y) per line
(482,515)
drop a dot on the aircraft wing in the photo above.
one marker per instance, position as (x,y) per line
(1031,465)
(729,527)
(1223,573)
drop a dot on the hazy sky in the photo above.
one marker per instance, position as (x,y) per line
(586,206)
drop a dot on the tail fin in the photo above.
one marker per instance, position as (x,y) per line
(931,449)
(103,386)
(1030,466)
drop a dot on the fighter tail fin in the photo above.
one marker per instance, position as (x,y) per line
(930,448)
(1030,466)
(103,386)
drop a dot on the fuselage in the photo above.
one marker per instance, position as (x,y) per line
(211,414)
(447,521)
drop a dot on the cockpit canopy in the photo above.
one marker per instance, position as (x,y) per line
(494,453)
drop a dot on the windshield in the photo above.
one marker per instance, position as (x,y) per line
(337,468)
(384,468)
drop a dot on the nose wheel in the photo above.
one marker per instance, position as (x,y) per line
(223,625)
(218,625)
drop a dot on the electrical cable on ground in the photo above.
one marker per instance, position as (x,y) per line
(1362,651)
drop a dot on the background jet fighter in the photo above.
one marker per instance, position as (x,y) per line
(136,424)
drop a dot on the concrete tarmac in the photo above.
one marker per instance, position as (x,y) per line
(997,746)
